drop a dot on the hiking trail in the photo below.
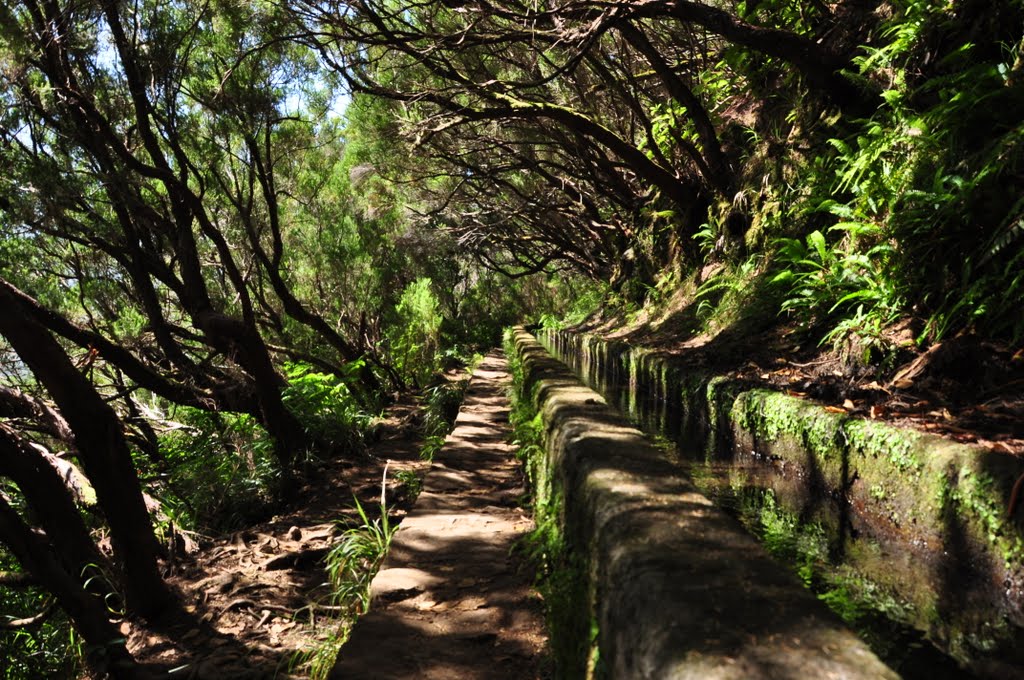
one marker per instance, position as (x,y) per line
(452,599)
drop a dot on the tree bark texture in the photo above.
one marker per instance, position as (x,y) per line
(103,452)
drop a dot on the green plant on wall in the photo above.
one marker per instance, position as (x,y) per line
(561,575)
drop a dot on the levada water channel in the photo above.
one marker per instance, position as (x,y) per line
(923,620)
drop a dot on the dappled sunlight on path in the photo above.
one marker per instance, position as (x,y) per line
(451,600)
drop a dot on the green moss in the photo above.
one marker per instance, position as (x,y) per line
(771,415)
(803,544)
(884,442)
(562,575)
(976,499)
(977,496)
(633,358)
(714,390)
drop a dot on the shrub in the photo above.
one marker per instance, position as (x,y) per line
(220,472)
(324,404)
(414,340)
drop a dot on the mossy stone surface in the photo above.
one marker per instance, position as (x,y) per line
(679,589)
(929,514)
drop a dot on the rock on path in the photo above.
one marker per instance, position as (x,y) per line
(451,600)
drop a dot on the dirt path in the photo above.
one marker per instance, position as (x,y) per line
(451,600)
(254,599)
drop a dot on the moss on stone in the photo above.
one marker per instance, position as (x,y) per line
(770,415)
(873,441)
(977,495)
(911,486)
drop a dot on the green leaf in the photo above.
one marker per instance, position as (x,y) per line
(816,240)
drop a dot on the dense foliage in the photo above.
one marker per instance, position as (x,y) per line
(229,230)
(849,147)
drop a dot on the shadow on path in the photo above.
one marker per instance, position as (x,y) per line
(451,601)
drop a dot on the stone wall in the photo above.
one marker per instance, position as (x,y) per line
(930,513)
(678,588)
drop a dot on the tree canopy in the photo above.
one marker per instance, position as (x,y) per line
(230,222)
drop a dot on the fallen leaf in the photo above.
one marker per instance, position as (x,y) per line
(847,404)
(835,409)
(878,411)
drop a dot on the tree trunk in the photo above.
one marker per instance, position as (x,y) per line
(106,651)
(251,353)
(819,66)
(51,502)
(104,455)
(712,163)
(294,307)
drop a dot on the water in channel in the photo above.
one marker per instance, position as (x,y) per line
(809,531)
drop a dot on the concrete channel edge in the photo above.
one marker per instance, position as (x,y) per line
(679,589)
(953,559)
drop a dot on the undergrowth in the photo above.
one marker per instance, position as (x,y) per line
(351,564)
(208,472)
(47,648)
(920,206)
(326,407)
(560,573)
(441,403)
(216,471)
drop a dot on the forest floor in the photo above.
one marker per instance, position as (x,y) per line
(257,599)
(452,599)
(963,388)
